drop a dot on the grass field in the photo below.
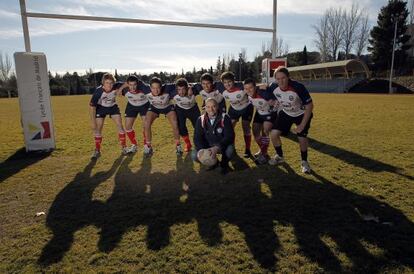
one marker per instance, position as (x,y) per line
(164,214)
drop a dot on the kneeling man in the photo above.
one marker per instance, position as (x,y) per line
(214,131)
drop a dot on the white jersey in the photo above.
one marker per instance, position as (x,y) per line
(136,99)
(261,101)
(108,99)
(237,98)
(293,99)
(216,95)
(185,102)
(103,98)
(161,101)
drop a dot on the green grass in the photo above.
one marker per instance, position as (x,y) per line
(126,214)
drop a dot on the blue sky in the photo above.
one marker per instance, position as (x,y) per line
(79,45)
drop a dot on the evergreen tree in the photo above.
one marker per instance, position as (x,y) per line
(304,60)
(382,35)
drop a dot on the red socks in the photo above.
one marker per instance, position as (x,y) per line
(187,143)
(131,136)
(98,141)
(122,139)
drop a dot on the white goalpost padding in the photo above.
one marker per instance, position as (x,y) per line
(34,101)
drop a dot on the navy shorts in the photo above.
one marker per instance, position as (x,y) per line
(133,111)
(246,114)
(101,111)
(158,111)
(260,119)
(284,122)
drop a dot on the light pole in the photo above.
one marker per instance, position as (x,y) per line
(240,66)
(396,18)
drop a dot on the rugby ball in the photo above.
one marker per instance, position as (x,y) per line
(207,157)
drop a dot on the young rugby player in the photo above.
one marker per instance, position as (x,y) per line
(160,103)
(296,108)
(103,103)
(240,106)
(263,101)
(185,107)
(136,94)
(210,89)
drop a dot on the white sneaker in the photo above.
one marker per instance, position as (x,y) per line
(124,151)
(179,150)
(306,167)
(276,160)
(147,151)
(133,149)
(96,154)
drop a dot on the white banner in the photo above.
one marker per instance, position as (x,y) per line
(34,98)
(269,66)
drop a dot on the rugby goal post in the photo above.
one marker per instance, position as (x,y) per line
(33,82)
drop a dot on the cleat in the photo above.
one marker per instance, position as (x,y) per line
(247,153)
(148,151)
(276,160)
(179,150)
(305,167)
(261,159)
(133,149)
(124,151)
(96,154)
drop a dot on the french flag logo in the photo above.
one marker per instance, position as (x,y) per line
(38,131)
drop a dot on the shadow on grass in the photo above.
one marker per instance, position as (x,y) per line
(19,161)
(72,209)
(322,215)
(353,158)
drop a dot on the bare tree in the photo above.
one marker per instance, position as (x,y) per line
(335,30)
(5,70)
(412,12)
(321,39)
(282,48)
(362,36)
(351,21)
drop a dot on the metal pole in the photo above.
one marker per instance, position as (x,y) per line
(26,34)
(274,37)
(142,21)
(393,55)
(240,66)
